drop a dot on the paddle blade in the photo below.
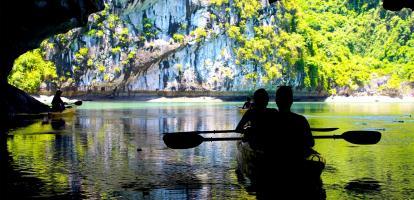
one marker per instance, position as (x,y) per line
(203,132)
(182,140)
(362,137)
(78,103)
(324,129)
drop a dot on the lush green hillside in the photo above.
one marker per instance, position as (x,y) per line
(336,45)
(339,47)
(30,70)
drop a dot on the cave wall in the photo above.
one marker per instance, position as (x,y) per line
(24,25)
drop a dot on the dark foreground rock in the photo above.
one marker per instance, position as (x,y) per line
(24,25)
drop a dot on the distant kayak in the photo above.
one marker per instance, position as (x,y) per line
(242,110)
(65,113)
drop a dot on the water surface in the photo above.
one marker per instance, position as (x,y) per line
(115,149)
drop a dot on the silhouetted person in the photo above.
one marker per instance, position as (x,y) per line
(114,92)
(247,104)
(290,142)
(57,104)
(257,119)
(295,124)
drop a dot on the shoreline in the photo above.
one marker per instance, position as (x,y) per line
(369,99)
(225,98)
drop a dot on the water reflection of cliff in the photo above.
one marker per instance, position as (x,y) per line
(96,155)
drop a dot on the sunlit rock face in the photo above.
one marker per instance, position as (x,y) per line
(24,25)
(225,46)
(136,46)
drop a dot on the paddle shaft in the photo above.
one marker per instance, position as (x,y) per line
(314,137)
(222,139)
(240,138)
(327,137)
(201,132)
(234,131)
(184,140)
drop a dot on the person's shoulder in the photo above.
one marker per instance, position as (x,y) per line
(299,116)
(272,110)
(249,112)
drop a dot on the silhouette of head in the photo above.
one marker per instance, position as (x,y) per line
(284,98)
(260,98)
(58,92)
(248,99)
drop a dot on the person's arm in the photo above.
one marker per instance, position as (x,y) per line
(243,122)
(308,138)
(61,102)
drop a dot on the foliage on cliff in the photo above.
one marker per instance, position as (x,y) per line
(329,45)
(30,70)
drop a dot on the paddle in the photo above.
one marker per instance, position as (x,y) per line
(355,137)
(184,140)
(78,103)
(234,131)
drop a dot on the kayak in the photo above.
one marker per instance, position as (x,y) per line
(65,113)
(242,110)
(251,162)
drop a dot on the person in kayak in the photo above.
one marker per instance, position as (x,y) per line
(293,129)
(256,120)
(57,104)
(247,104)
(292,141)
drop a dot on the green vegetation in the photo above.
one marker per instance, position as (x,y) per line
(328,45)
(199,34)
(178,38)
(30,70)
(117,70)
(248,8)
(150,31)
(131,54)
(82,54)
(123,36)
(219,2)
(113,21)
(99,33)
(116,50)
(91,33)
(101,68)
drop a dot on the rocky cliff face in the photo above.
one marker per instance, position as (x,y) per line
(159,45)
(228,46)
(24,26)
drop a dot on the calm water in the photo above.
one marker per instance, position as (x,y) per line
(93,154)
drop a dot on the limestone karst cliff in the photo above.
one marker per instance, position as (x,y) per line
(229,46)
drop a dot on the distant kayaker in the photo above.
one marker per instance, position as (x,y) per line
(257,118)
(247,104)
(57,104)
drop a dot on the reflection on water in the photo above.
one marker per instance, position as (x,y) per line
(364,185)
(94,153)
